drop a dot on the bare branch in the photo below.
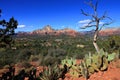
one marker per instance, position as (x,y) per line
(84,13)
(109,18)
(96,5)
(104,16)
(0,12)
(89,24)
(105,24)
(90,4)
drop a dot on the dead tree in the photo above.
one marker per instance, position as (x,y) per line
(95,21)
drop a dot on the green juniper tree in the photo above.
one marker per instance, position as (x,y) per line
(7,30)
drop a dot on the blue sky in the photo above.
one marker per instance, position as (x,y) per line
(35,14)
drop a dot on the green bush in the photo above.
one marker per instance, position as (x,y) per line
(51,73)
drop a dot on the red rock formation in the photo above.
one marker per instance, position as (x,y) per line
(110,31)
(47,30)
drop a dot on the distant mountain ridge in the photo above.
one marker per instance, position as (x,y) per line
(110,31)
(105,32)
(48,30)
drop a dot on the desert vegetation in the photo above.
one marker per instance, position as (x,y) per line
(29,53)
(58,57)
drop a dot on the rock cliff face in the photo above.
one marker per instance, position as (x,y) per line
(110,31)
(47,30)
(105,32)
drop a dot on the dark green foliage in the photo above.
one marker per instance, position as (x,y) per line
(49,60)
(112,44)
(24,55)
(7,30)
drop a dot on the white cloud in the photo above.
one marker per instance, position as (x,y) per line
(63,26)
(84,25)
(84,21)
(101,23)
(21,26)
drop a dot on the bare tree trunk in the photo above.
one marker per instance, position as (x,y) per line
(96,46)
(95,37)
(95,21)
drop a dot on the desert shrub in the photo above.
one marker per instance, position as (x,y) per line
(37,58)
(49,60)
(5,59)
(51,73)
(53,56)
(34,58)
(24,54)
(24,64)
(56,52)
